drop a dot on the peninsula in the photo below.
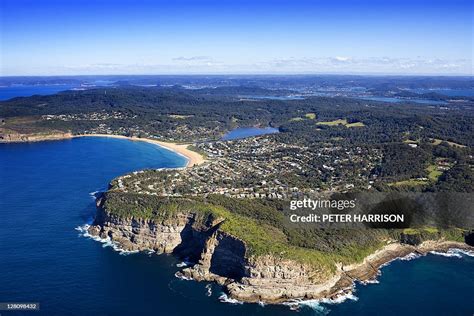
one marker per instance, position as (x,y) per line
(225,213)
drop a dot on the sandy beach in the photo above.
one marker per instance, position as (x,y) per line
(193,158)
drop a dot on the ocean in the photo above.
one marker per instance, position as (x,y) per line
(13,91)
(47,192)
(9,92)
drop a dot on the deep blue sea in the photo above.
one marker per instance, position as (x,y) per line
(29,90)
(13,91)
(45,194)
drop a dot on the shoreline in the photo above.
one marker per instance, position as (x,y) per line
(192,158)
(339,293)
(260,288)
(343,282)
(337,289)
(369,269)
(342,285)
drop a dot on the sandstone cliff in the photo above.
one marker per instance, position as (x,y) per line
(223,258)
(217,255)
(23,138)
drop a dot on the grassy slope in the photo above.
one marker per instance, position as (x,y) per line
(259,226)
(342,122)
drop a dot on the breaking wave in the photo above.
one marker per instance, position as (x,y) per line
(181,276)
(468,253)
(372,281)
(446,254)
(316,304)
(340,299)
(106,242)
(208,290)
(184,263)
(454,253)
(94,195)
(225,299)
(410,256)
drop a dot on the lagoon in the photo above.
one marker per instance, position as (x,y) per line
(271,97)
(243,132)
(448,92)
(399,100)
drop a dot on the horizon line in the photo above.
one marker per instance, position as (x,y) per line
(254,74)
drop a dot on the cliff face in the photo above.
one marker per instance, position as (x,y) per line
(274,280)
(214,252)
(133,234)
(218,257)
(223,258)
(262,279)
(169,236)
(23,138)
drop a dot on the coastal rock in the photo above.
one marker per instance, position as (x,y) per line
(410,239)
(23,138)
(469,238)
(261,279)
(94,230)
(222,258)
(137,234)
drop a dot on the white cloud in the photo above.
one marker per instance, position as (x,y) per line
(193,58)
(383,64)
(287,65)
(339,58)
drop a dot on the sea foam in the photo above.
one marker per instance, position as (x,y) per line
(316,304)
(106,242)
(225,299)
(208,290)
(184,263)
(454,253)
(409,257)
(94,194)
(181,276)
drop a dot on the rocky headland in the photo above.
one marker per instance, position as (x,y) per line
(36,137)
(220,257)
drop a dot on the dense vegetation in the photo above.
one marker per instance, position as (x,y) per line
(438,135)
(197,115)
(260,224)
(153,108)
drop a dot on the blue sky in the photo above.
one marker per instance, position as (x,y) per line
(212,37)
